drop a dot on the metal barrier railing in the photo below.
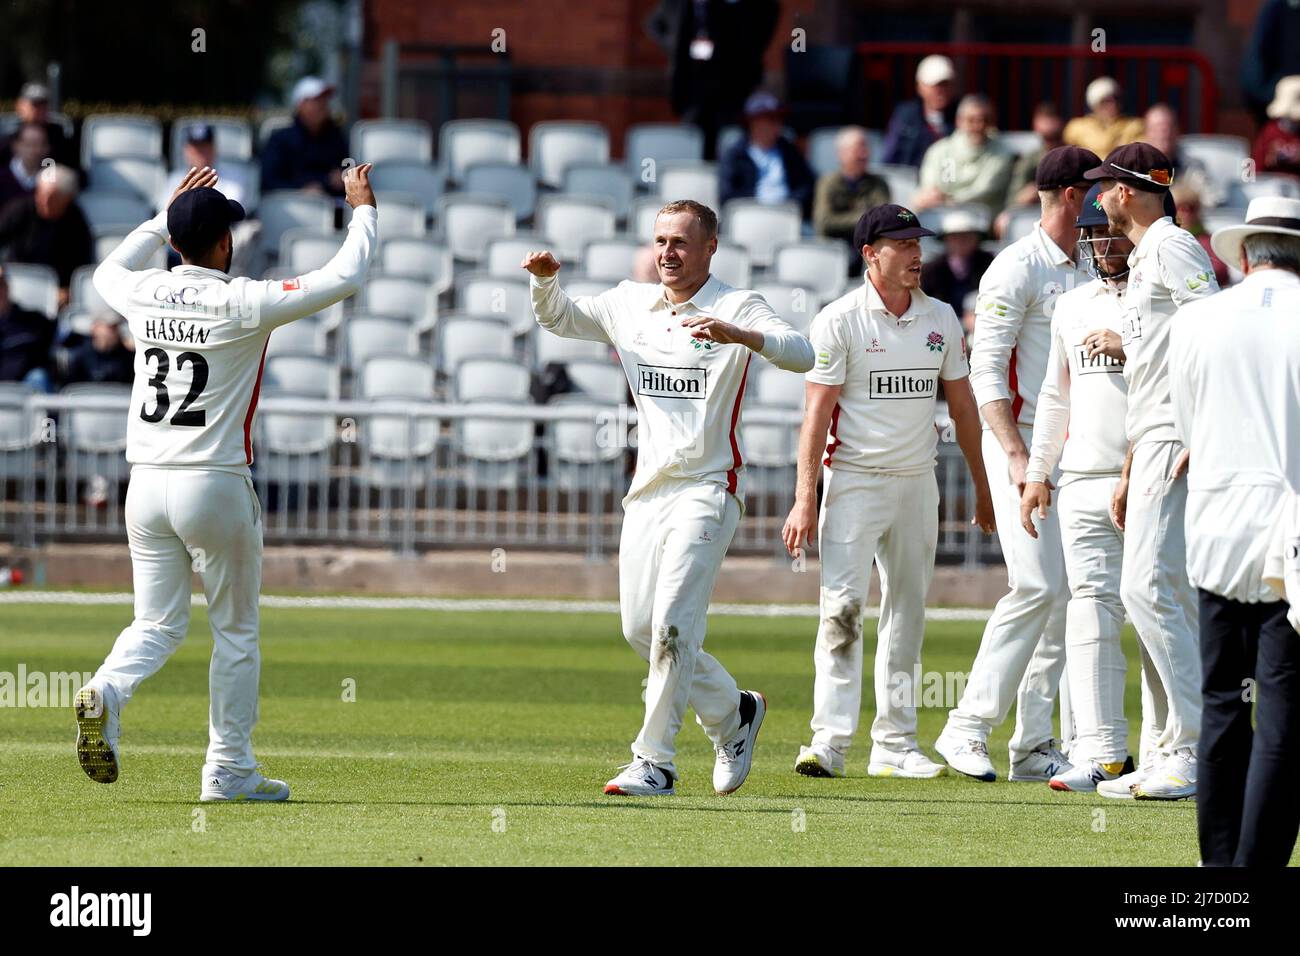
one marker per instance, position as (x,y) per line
(407,476)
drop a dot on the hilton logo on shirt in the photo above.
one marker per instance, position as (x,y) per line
(661,381)
(903,383)
(1097,363)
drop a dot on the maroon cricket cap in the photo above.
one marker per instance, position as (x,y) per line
(1064,166)
(1139,165)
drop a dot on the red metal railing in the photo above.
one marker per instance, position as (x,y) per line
(1017,76)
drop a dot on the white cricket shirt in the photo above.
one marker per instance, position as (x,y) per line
(890,368)
(1013,321)
(688,393)
(200,342)
(1167,270)
(1080,418)
(1234,376)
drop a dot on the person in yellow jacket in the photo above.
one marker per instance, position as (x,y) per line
(1104,128)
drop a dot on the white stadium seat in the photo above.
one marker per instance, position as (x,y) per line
(466,337)
(94,429)
(570,222)
(733,265)
(415,179)
(776,388)
(823,157)
(903,181)
(402,214)
(1020,141)
(1020,223)
(507,298)
(234,138)
(82,293)
(108,135)
(462,143)
(282,210)
(577,285)
(504,255)
(401,297)
(396,376)
(423,258)
(1221,155)
(549,349)
(609,181)
(129,174)
(33,286)
(509,180)
(370,335)
(311,376)
(612,259)
(660,143)
(491,380)
(698,181)
(381,140)
(796,304)
(114,210)
(818,264)
(600,380)
(641,219)
(394,444)
(555,145)
(761,227)
(304,336)
(18,429)
(303,250)
(469,221)
(1265,184)
(110,237)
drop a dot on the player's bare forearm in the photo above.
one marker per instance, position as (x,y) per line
(1128,462)
(966,424)
(1005,429)
(819,405)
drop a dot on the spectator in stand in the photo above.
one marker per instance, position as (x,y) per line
(25,342)
(309,154)
(970,166)
(765,165)
(33,106)
(1274,52)
(957,273)
(1160,129)
(103,356)
(29,146)
(918,124)
(199,150)
(842,196)
(1105,127)
(48,227)
(1187,205)
(1277,147)
(1048,126)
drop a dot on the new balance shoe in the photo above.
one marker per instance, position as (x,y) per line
(98,729)
(1085,778)
(819,762)
(1040,765)
(1174,779)
(641,778)
(910,764)
(734,758)
(969,756)
(221,785)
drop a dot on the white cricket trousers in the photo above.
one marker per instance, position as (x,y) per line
(1022,655)
(1094,620)
(1156,591)
(672,544)
(895,521)
(181,520)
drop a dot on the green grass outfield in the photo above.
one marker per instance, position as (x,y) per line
(485,738)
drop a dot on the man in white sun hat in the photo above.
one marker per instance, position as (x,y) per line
(1234,369)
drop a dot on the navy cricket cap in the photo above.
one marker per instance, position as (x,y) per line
(1139,165)
(889,221)
(1064,166)
(198,217)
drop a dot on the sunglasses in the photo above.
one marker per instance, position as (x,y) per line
(1161,177)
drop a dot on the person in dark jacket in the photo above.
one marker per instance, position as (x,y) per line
(33,106)
(916,124)
(955,274)
(309,154)
(25,342)
(103,356)
(48,227)
(30,145)
(765,165)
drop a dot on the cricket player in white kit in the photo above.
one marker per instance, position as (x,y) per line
(1168,268)
(201,341)
(1022,653)
(1080,426)
(686,344)
(883,351)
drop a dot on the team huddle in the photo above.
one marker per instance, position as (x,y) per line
(1065,410)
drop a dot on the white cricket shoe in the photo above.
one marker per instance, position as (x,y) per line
(1040,765)
(1174,779)
(819,762)
(221,785)
(1121,788)
(641,778)
(734,758)
(1085,778)
(98,729)
(910,764)
(969,756)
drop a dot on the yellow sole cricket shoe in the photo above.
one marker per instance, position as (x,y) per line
(222,786)
(97,733)
(814,763)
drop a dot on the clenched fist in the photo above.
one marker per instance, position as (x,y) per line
(356,186)
(541,264)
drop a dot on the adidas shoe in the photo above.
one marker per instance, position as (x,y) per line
(910,764)
(221,785)
(735,757)
(969,756)
(641,778)
(98,729)
(1174,779)
(1085,778)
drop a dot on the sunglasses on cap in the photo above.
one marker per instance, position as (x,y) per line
(1161,177)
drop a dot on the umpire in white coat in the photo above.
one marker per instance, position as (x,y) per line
(1234,365)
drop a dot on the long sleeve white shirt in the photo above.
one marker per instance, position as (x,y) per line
(1013,318)
(688,393)
(1234,375)
(1080,419)
(1167,270)
(200,342)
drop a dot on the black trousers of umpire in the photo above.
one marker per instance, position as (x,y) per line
(1247,802)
